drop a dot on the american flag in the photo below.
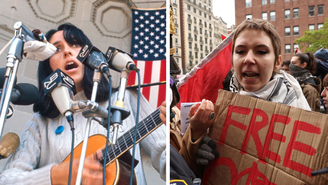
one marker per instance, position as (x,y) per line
(149,52)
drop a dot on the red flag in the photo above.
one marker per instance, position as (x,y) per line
(223,37)
(205,79)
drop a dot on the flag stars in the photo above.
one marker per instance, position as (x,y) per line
(149,35)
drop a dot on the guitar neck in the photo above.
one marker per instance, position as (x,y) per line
(125,142)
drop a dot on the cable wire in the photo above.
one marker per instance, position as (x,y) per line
(136,129)
(72,151)
(108,128)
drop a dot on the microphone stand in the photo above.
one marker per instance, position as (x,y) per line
(96,80)
(118,111)
(14,56)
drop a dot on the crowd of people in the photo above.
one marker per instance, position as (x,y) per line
(309,70)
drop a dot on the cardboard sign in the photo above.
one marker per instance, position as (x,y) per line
(261,142)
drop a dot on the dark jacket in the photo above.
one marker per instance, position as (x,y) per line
(311,89)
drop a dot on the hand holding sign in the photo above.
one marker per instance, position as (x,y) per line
(206,152)
(199,116)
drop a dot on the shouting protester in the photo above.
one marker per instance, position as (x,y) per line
(256,58)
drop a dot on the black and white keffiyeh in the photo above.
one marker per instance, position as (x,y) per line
(282,88)
(301,74)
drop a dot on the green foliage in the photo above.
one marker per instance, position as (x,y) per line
(314,40)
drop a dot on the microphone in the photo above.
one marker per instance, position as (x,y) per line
(24,94)
(119,60)
(93,58)
(8,144)
(61,88)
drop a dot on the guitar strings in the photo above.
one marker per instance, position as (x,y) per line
(117,149)
(126,140)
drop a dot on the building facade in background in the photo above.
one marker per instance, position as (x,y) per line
(290,17)
(198,31)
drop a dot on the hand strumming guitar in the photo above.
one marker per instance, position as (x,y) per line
(92,171)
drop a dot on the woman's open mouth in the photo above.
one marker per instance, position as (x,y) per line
(250,75)
(71,65)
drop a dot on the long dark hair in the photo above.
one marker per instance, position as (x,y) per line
(308,58)
(73,35)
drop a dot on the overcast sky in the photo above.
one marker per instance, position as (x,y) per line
(225,9)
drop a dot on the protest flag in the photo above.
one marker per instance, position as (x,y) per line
(205,79)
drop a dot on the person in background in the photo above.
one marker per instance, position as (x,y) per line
(324,93)
(285,66)
(322,54)
(321,57)
(39,158)
(303,67)
(256,59)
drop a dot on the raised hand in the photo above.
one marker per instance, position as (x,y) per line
(201,118)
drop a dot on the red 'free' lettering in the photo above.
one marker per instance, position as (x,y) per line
(293,144)
(228,121)
(253,130)
(274,136)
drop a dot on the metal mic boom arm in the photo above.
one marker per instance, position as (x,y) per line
(14,56)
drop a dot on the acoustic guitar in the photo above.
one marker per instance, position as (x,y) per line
(117,171)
